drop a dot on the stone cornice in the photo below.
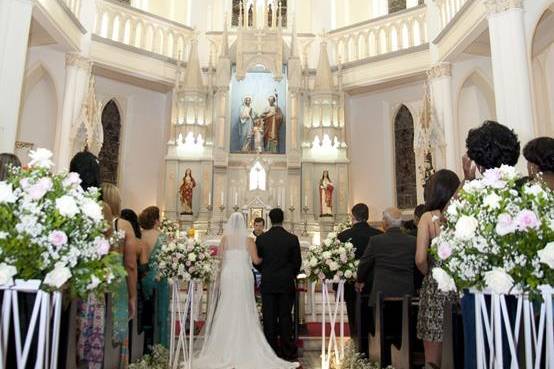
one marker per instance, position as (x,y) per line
(77,60)
(440,70)
(499,6)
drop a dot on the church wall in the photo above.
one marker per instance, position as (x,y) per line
(371,146)
(144,117)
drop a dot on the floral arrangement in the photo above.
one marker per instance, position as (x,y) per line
(343,226)
(333,260)
(170,228)
(498,235)
(186,260)
(158,359)
(51,230)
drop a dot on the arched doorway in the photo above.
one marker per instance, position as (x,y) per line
(109,154)
(404,158)
(542,58)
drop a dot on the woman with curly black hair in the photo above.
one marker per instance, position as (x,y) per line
(490,146)
(540,159)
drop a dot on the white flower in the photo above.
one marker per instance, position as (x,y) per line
(7,272)
(94,282)
(328,242)
(313,262)
(3,235)
(326,255)
(492,201)
(67,206)
(444,281)
(452,209)
(546,255)
(58,276)
(192,257)
(92,210)
(6,193)
(466,227)
(332,235)
(535,190)
(40,158)
(348,274)
(333,266)
(505,224)
(473,186)
(499,281)
(508,172)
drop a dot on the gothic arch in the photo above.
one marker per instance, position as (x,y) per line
(109,154)
(404,159)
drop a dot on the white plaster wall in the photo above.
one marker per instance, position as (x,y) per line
(143,136)
(371,147)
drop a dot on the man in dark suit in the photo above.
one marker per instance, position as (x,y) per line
(359,236)
(280,252)
(390,257)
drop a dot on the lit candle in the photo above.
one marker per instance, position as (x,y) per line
(306,200)
(209,198)
(222,198)
(236,198)
(291,200)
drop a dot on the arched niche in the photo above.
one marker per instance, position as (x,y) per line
(39,113)
(542,65)
(404,159)
(109,154)
(476,103)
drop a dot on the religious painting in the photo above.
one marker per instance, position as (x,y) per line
(255,213)
(258,114)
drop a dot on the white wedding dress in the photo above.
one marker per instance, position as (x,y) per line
(233,335)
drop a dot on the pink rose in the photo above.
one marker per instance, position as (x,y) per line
(213,250)
(493,178)
(72,179)
(188,263)
(192,269)
(39,189)
(505,224)
(321,275)
(444,250)
(102,246)
(527,219)
(57,238)
(201,256)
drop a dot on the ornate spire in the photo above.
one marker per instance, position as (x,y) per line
(323,74)
(193,74)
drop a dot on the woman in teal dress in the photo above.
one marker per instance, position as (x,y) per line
(155,293)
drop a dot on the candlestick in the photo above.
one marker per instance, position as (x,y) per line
(209,208)
(292,209)
(305,210)
(222,209)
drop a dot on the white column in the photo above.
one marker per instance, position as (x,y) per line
(77,69)
(440,77)
(512,85)
(15,21)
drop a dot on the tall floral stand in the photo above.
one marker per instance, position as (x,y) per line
(181,345)
(491,319)
(334,312)
(45,317)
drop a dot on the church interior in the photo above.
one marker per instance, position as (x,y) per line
(209,107)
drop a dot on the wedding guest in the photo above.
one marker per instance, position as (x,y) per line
(410,226)
(123,295)
(8,161)
(540,159)
(87,165)
(359,235)
(155,293)
(443,185)
(390,258)
(489,146)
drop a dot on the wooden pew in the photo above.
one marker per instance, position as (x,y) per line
(376,340)
(111,351)
(403,358)
(136,342)
(69,359)
(453,338)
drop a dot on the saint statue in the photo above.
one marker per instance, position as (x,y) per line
(246,124)
(326,195)
(185,191)
(272,118)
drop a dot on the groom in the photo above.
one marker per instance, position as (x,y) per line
(280,252)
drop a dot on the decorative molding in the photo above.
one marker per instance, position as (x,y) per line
(440,70)
(77,60)
(499,6)
(20,145)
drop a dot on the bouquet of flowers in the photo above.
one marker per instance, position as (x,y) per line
(186,260)
(333,261)
(51,230)
(170,228)
(343,226)
(498,235)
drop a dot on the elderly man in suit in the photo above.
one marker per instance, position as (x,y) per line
(359,236)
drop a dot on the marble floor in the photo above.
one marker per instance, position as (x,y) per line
(311,360)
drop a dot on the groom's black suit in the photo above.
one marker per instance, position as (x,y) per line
(280,251)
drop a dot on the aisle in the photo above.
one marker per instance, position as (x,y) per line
(311,360)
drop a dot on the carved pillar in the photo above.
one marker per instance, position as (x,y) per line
(440,77)
(15,21)
(512,86)
(77,70)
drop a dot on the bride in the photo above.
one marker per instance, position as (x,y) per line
(233,334)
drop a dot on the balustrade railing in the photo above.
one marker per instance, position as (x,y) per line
(448,10)
(74,6)
(398,31)
(134,27)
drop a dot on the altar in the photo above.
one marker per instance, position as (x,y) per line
(257,134)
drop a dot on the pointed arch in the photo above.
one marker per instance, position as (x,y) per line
(404,159)
(109,154)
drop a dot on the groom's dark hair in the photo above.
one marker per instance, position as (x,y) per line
(276,216)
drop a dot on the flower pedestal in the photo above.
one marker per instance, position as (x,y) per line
(181,345)
(492,319)
(334,311)
(45,317)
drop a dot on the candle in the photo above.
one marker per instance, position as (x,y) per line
(209,198)
(306,200)
(291,198)
(236,198)
(222,198)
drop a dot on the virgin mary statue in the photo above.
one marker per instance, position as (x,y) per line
(326,195)
(186,190)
